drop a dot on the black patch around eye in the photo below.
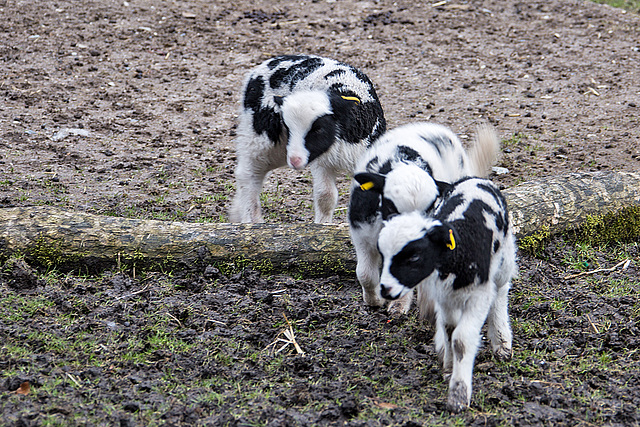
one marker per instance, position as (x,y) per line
(321,136)
(411,273)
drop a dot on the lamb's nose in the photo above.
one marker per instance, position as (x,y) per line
(384,292)
(296,162)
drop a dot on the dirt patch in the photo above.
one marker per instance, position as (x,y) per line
(150,91)
(201,348)
(128,108)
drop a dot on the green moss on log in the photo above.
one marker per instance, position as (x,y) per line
(609,229)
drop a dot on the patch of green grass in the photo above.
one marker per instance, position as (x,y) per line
(16,307)
(630,5)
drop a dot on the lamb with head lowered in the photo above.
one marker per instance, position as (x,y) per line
(461,258)
(301,110)
(400,173)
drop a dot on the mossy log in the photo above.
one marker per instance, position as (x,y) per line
(89,243)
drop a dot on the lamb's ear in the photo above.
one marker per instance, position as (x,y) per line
(278,100)
(342,104)
(370,181)
(443,235)
(443,187)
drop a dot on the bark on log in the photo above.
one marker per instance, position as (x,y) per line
(89,243)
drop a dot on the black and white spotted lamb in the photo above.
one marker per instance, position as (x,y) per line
(400,173)
(301,110)
(462,259)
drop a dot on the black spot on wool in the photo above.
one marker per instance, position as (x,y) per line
(450,205)
(363,206)
(365,120)
(438,142)
(254,93)
(371,165)
(385,168)
(472,255)
(388,208)
(502,220)
(265,119)
(335,73)
(408,154)
(296,72)
(284,58)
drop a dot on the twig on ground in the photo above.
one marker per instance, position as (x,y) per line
(291,339)
(175,318)
(146,288)
(75,381)
(595,328)
(624,264)
(216,322)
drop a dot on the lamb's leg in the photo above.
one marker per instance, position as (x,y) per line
(325,194)
(246,203)
(442,340)
(465,340)
(369,262)
(498,328)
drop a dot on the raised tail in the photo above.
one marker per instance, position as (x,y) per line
(484,152)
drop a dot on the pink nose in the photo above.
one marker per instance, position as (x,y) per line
(296,162)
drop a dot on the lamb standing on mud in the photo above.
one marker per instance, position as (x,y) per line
(462,260)
(300,110)
(399,174)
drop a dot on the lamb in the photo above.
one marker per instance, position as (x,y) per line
(462,260)
(400,173)
(301,110)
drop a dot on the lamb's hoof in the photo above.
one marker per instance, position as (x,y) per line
(396,309)
(457,400)
(373,301)
(503,353)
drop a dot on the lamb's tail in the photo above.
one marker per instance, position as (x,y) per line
(484,152)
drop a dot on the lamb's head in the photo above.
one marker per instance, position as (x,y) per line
(406,188)
(311,120)
(412,247)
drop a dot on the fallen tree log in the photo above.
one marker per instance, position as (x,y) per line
(90,243)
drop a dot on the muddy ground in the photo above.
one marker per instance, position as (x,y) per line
(128,108)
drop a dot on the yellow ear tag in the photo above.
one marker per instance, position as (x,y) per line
(452,244)
(351,98)
(366,186)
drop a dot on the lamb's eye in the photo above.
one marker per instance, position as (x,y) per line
(414,258)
